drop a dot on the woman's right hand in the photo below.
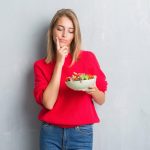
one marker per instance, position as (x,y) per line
(61,52)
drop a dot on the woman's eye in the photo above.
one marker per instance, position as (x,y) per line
(71,31)
(59,29)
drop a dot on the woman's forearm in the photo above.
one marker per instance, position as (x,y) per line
(51,92)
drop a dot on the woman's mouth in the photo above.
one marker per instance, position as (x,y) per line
(63,41)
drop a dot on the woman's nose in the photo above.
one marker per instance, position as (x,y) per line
(64,33)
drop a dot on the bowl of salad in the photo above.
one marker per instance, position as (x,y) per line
(80,81)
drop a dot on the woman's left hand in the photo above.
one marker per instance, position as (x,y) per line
(97,95)
(91,89)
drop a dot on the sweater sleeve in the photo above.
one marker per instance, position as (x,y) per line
(101,78)
(40,83)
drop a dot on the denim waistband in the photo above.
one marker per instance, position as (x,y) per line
(66,126)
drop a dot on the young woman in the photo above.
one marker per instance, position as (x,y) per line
(67,116)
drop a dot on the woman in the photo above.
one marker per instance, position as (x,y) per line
(67,116)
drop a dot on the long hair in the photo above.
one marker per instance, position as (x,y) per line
(76,42)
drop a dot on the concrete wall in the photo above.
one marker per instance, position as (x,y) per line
(117,31)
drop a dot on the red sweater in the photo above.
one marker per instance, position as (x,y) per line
(72,107)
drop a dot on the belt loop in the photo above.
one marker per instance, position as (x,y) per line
(77,127)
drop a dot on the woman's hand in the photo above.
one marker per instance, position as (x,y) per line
(91,89)
(61,52)
(98,96)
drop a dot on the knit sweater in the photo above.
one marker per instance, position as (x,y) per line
(71,108)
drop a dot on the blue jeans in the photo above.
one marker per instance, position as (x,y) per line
(56,138)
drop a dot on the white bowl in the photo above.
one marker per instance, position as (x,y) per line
(80,85)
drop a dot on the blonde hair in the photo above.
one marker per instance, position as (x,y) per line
(76,42)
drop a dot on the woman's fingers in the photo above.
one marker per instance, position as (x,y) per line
(57,43)
(59,47)
(64,50)
(90,89)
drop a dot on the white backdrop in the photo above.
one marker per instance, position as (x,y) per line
(117,31)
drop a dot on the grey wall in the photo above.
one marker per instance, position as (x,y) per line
(117,31)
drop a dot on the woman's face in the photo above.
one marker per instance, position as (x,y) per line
(64,30)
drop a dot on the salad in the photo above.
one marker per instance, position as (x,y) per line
(79,77)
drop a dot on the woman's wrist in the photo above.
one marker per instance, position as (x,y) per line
(98,96)
(59,64)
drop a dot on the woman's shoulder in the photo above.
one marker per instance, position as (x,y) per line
(87,53)
(41,63)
